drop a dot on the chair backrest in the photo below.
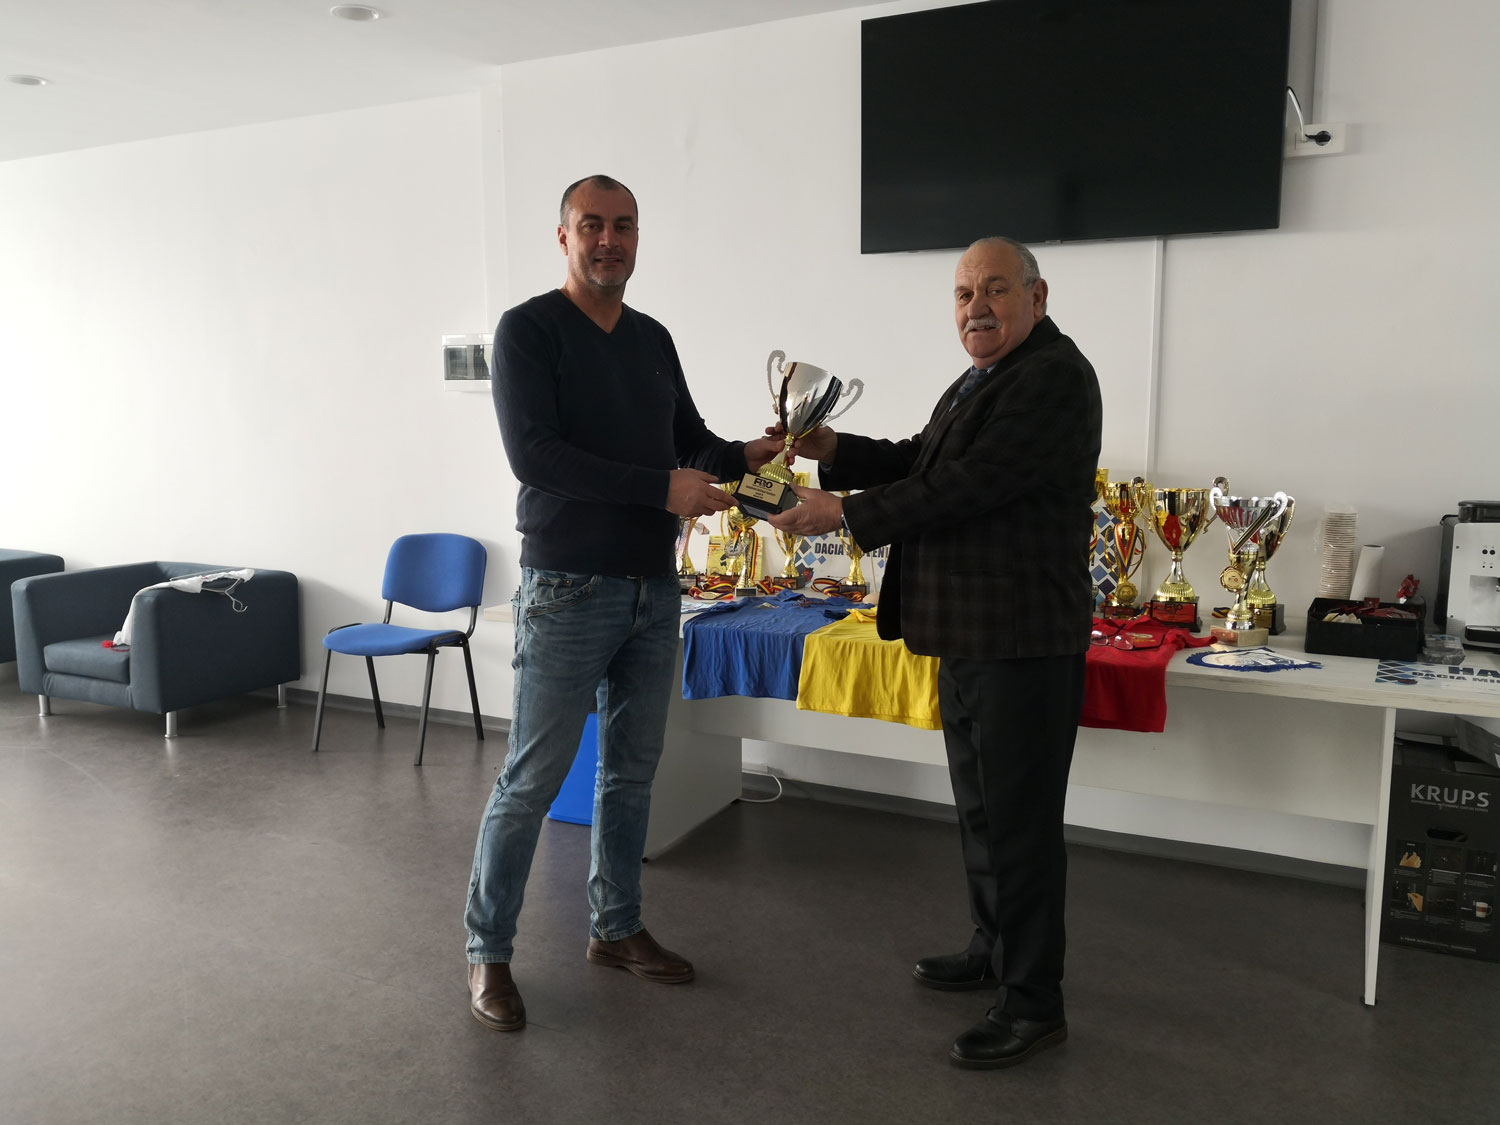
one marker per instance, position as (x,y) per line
(435,572)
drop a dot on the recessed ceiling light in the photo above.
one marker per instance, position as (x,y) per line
(360,13)
(26,79)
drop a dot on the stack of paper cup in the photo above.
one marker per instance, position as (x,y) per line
(1366,582)
(1338,535)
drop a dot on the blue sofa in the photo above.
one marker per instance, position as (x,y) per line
(15,565)
(186,648)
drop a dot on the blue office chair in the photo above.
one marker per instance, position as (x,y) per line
(436,574)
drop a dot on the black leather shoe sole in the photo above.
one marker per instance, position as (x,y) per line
(1050,1040)
(987,981)
(668,977)
(497,1025)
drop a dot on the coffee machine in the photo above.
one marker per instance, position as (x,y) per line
(1468,598)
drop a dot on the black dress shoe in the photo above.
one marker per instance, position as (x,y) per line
(956,972)
(494,999)
(1001,1039)
(642,956)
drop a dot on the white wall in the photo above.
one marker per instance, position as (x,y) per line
(224,347)
(201,338)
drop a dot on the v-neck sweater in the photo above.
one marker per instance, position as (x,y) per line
(593,423)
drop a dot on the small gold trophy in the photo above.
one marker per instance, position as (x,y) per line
(742,552)
(790,577)
(1128,546)
(1244,518)
(1177,515)
(805,401)
(1259,595)
(854,584)
(687,572)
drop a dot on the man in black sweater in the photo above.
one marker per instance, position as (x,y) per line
(609,450)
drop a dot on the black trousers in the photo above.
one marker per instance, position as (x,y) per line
(1009,727)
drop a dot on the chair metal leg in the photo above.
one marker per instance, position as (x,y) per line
(281,695)
(44,706)
(473,693)
(322,695)
(171,724)
(426,695)
(375,692)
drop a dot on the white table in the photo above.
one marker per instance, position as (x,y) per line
(1312,742)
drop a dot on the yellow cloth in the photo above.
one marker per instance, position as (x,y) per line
(848,670)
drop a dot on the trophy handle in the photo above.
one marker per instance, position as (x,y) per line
(852,390)
(776,360)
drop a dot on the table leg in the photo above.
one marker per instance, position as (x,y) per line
(1375,868)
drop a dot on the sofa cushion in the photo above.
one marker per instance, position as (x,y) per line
(87,656)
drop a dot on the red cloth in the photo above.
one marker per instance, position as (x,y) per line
(1126,689)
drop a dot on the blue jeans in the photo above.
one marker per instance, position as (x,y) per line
(580,639)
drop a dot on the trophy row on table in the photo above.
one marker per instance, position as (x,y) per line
(734,561)
(1256,527)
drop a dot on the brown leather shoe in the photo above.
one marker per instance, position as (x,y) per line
(642,956)
(494,998)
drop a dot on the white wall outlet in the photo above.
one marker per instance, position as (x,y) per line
(1298,145)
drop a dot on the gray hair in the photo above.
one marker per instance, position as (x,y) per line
(1030,273)
(607,183)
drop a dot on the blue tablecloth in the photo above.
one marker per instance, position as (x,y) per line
(752,646)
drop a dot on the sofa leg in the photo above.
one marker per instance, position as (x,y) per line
(171,724)
(281,695)
(44,706)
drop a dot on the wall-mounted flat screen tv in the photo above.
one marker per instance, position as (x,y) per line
(1063,120)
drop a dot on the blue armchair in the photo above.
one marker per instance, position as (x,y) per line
(15,565)
(186,649)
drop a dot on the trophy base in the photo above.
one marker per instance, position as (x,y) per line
(764,497)
(787,582)
(1113,612)
(1176,613)
(1271,618)
(851,590)
(686,582)
(1239,638)
(746,591)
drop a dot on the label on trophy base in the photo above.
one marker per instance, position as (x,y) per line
(763,497)
(1111,612)
(787,582)
(1239,638)
(1176,613)
(852,590)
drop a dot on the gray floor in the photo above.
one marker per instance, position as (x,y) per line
(226,927)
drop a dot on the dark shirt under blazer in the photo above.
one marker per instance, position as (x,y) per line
(988,510)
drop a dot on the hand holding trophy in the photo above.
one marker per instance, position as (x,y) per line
(804,402)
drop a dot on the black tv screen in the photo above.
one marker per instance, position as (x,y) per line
(1062,120)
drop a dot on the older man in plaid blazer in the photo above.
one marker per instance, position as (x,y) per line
(988,513)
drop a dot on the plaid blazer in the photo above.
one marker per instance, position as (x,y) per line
(988,510)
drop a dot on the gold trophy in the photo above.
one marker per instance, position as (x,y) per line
(1259,595)
(1244,518)
(805,401)
(1177,515)
(687,572)
(1128,546)
(790,577)
(742,552)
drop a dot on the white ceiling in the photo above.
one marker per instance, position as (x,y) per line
(125,70)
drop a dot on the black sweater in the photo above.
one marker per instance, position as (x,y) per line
(593,422)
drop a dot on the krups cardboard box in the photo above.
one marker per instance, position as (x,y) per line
(1443,848)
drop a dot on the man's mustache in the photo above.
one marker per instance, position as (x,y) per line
(981,322)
